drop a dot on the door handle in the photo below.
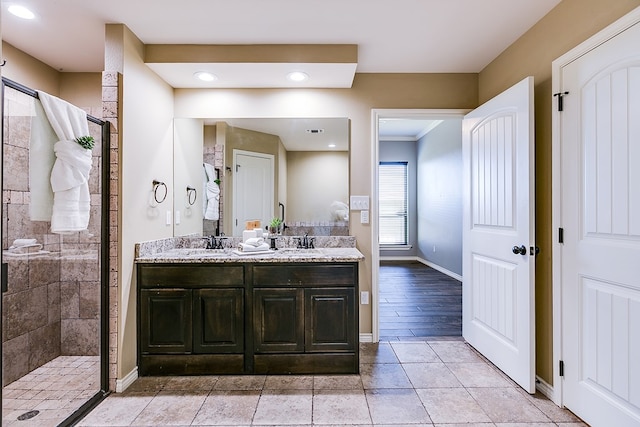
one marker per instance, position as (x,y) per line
(519,250)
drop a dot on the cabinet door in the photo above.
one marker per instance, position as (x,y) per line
(330,319)
(165,320)
(278,320)
(218,321)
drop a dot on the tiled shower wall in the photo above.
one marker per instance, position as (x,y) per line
(53,299)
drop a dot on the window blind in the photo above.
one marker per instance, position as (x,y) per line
(392,197)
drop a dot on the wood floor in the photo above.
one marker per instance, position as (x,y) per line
(417,301)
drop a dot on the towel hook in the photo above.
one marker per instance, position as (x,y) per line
(191,195)
(156,186)
(4,62)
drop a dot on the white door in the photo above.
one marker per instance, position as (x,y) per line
(498,204)
(600,278)
(253,188)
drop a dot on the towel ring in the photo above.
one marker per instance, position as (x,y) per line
(191,195)
(156,185)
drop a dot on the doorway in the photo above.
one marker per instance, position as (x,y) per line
(55,289)
(428,246)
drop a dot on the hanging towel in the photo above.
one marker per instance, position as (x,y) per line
(41,160)
(70,173)
(211,190)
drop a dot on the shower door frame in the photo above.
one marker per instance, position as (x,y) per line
(105,163)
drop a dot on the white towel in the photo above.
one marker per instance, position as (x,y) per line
(211,191)
(244,247)
(254,241)
(70,173)
(41,160)
(23,242)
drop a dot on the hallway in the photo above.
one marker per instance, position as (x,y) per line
(417,302)
(435,383)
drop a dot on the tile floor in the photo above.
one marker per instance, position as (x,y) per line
(443,382)
(56,390)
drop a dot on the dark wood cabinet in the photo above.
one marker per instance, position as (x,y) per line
(234,318)
(218,321)
(166,320)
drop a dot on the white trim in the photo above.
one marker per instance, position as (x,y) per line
(442,270)
(544,388)
(591,43)
(376,115)
(366,337)
(396,247)
(124,383)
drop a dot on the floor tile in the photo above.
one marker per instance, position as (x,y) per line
(118,410)
(228,408)
(289,382)
(193,383)
(550,409)
(478,375)
(507,405)
(396,406)
(430,375)
(455,351)
(240,382)
(337,382)
(171,408)
(284,407)
(340,407)
(451,405)
(384,376)
(414,352)
(377,353)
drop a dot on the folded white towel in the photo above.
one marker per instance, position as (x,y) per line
(243,247)
(255,241)
(23,242)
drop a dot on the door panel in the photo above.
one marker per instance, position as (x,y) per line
(330,319)
(278,320)
(166,314)
(218,316)
(600,175)
(498,232)
(254,182)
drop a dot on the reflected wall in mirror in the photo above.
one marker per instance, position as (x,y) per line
(308,184)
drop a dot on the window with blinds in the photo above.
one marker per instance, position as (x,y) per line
(392,197)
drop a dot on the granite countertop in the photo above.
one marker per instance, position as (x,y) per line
(200,255)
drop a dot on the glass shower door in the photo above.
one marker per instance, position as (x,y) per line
(52,307)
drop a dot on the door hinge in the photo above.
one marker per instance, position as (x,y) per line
(534,250)
(560,95)
(561,368)
(560,235)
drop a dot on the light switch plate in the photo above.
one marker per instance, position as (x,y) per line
(359,203)
(364,297)
(168,222)
(364,217)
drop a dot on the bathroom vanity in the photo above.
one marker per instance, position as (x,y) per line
(215,312)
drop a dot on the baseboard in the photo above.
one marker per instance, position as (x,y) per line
(366,337)
(441,269)
(544,388)
(124,383)
(399,258)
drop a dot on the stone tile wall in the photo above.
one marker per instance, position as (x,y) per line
(52,304)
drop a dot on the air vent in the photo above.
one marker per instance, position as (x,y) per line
(315,130)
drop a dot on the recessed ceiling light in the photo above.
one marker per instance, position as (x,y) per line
(332,145)
(297,76)
(21,11)
(205,76)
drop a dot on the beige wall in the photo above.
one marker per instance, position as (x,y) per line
(315,180)
(188,149)
(145,154)
(566,26)
(369,91)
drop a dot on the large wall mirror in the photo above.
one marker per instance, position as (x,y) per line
(296,169)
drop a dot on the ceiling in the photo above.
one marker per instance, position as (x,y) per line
(391,36)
